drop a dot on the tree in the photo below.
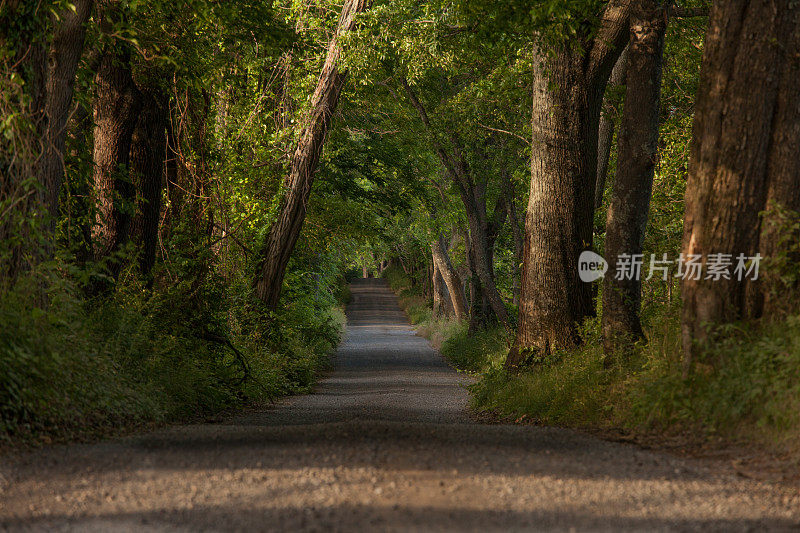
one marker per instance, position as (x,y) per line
(608,116)
(568,87)
(455,289)
(116,107)
(283,233)
(636,155)
(48,71)
(442,304)
(482,229)
(746,138)
(147,156)
(64,55)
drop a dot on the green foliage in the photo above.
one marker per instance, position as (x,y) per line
(480,351)
(750,393)
(569,392)
(77,368)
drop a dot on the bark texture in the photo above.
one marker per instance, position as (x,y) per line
(283,234)
(744,153)
(116,106)
(633,183)
(568,91)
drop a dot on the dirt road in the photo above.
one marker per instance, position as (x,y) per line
(386,443)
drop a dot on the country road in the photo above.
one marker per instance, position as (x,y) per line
(385,443)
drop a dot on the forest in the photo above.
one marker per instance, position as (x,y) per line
(588,206)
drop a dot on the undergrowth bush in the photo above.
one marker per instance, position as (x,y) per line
(78,367)
(745,387)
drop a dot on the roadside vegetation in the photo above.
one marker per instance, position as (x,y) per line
(85,368)
(755,401)
(132,231)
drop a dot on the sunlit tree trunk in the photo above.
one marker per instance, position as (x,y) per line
(745,143)
(451,279)
(567,94)
(442,305)
(283,234)
(633,183)
(116,106)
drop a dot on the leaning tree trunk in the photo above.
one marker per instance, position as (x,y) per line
(147,156)
(633,183)
(567,94)
(441,299)
(116,106)
(605,135)
(450,276)
(283,234)
(744,153)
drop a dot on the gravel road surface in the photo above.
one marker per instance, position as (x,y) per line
(385,444)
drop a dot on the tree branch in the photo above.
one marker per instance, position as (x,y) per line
(520,137)
(445,158)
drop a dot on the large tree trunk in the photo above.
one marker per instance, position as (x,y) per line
(285,231)
(147,156)
(633,184)
(48,73)
(450,276)
(567,95)
(64,56)
(744,152)
(116,106)
(608,117)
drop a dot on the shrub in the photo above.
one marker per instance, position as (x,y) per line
(76,368)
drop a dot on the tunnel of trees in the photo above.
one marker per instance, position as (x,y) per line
(186,187)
